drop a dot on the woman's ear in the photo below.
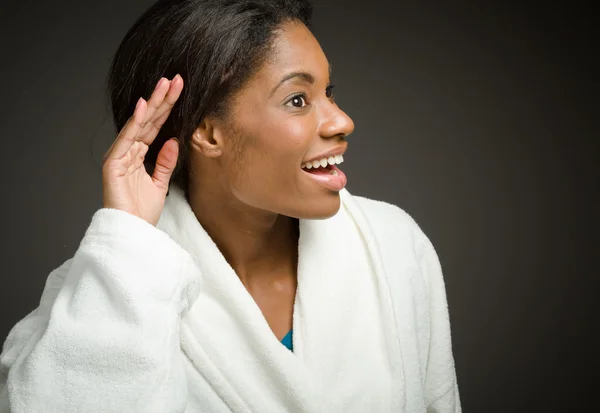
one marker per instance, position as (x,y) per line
(207,139)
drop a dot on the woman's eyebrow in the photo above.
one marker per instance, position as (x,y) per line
(307,77)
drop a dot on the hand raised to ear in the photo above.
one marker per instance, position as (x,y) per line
(125,183)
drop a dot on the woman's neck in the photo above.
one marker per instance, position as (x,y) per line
(258,244)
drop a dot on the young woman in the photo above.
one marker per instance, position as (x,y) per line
(229,270)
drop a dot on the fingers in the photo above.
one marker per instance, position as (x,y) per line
(148,117)
(160,109)
(156,107)
(165,163)
(128,134)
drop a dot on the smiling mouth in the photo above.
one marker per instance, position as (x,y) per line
(325,166)
(325,173)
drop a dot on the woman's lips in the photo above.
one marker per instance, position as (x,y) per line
(324,177)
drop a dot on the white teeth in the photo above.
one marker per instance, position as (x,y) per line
(333,172)
(332,160)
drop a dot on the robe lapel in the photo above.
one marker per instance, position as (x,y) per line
(340,360)
(340,319)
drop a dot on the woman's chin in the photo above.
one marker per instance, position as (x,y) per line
(317,208)
(306,206)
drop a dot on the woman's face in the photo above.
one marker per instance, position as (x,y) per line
(284,117)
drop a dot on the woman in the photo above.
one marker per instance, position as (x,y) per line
(229,270)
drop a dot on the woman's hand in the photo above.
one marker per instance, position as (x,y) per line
(125,183)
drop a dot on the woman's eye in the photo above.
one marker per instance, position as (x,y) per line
(297,100)
(329,91)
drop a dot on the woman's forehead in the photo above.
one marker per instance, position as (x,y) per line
(295,49)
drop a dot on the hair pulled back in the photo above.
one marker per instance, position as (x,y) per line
(215,45)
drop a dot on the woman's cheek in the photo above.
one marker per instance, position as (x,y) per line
(300,134)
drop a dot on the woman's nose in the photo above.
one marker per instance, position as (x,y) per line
(335,122)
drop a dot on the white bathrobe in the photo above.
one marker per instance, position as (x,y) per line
(153,319)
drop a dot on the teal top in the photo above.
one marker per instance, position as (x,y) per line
(287,340)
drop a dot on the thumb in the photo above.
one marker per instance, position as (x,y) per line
(165,163)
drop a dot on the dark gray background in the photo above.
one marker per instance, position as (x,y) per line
(480,121)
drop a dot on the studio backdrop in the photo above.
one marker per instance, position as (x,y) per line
(480,121)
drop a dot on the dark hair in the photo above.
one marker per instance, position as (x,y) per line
(215,45)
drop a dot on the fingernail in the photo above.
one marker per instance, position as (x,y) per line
(138,103)
(160,82)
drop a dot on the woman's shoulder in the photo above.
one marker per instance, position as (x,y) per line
(387,220)
(383,210)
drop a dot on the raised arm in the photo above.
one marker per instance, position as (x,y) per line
(105,337)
